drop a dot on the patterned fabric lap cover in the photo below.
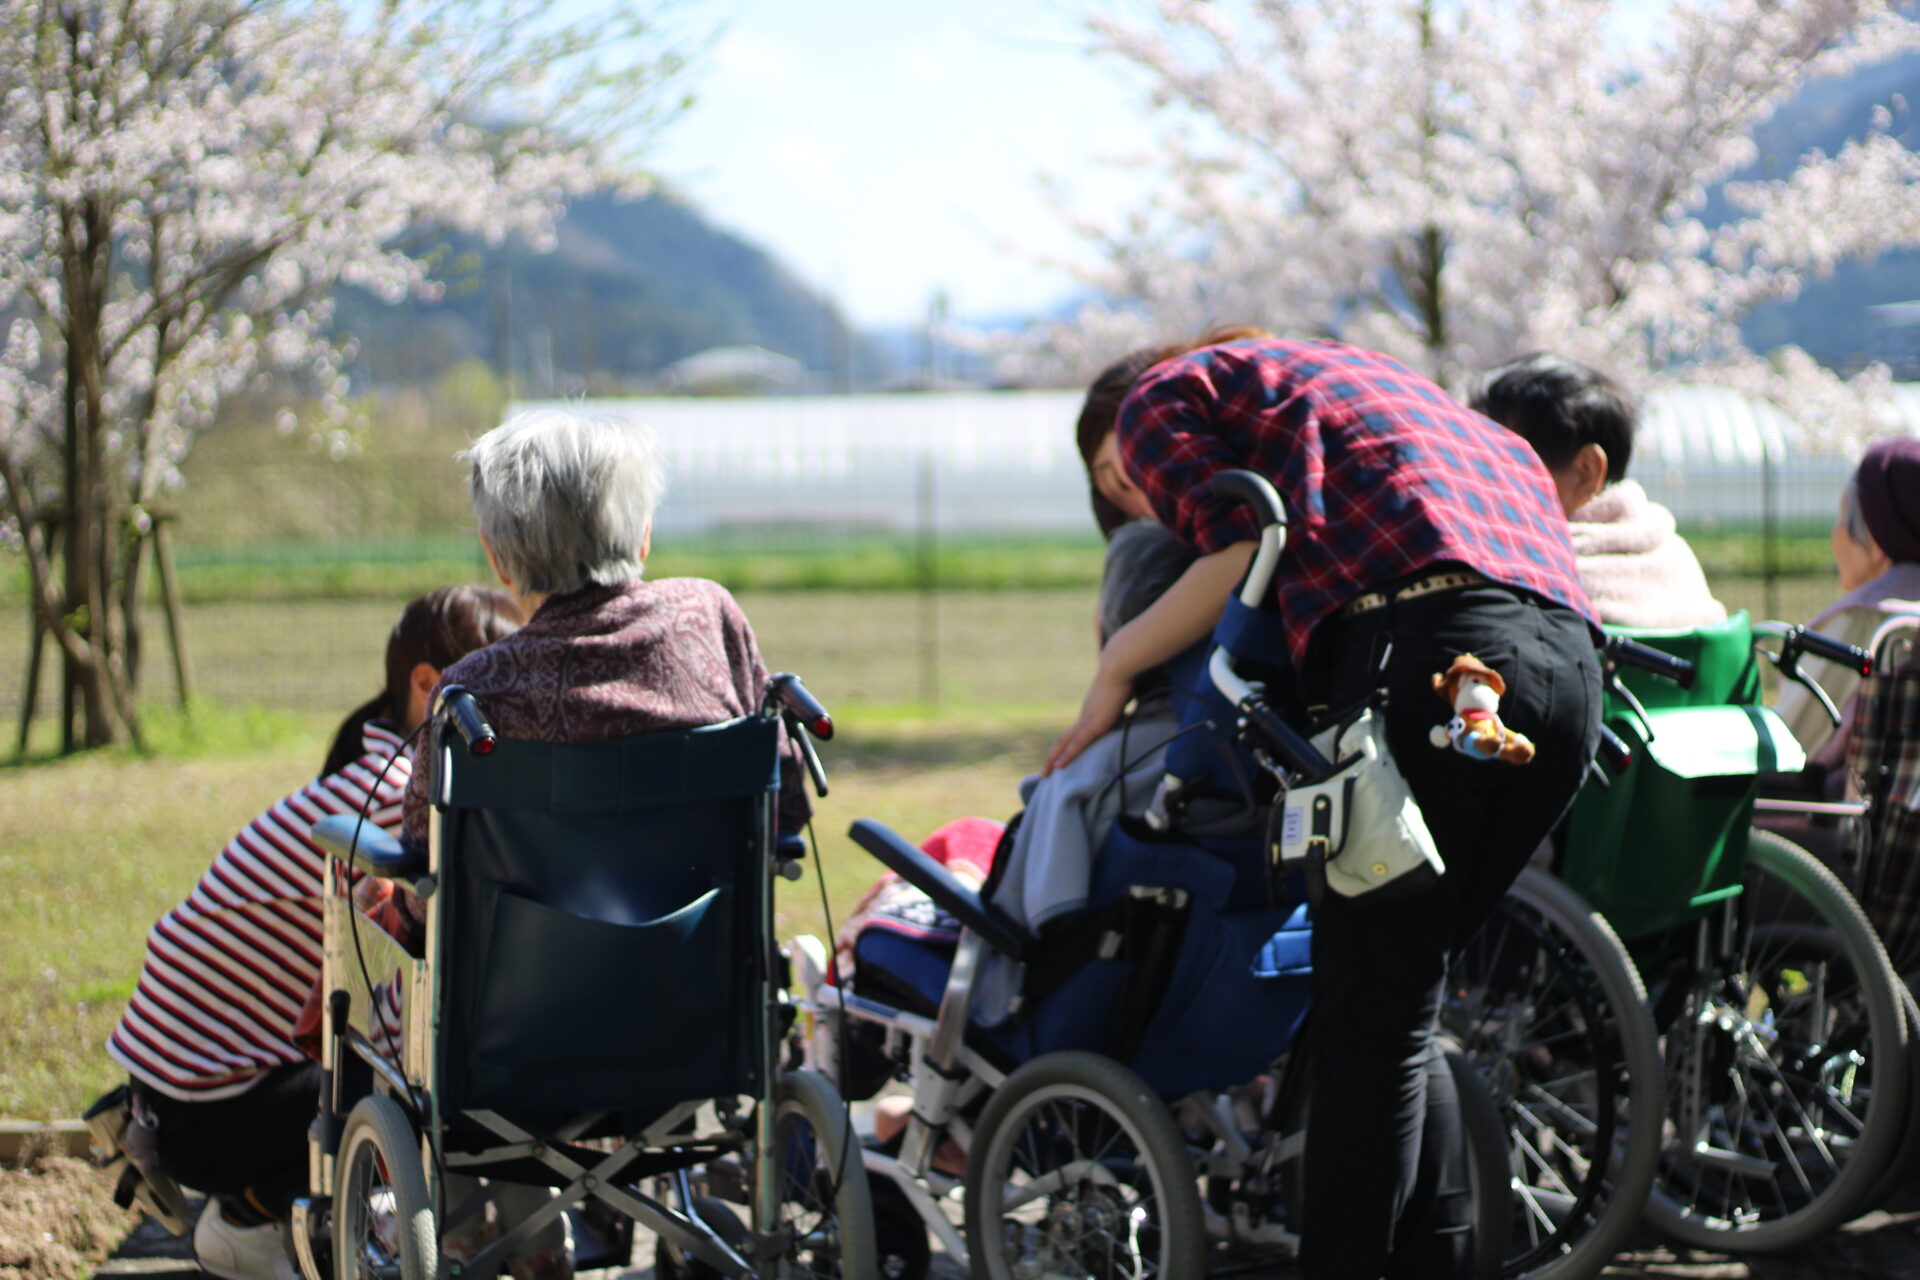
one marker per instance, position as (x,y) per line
(1885,755)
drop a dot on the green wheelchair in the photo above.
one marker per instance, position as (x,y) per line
(1781,1027)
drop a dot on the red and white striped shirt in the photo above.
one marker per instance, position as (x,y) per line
(228,969)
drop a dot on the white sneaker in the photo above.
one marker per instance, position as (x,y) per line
(381,1223)
(240,1253)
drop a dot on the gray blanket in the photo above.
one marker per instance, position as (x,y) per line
(1068,813)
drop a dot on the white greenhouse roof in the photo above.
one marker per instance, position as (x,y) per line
(1006,460)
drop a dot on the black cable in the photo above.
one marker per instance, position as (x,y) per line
(353,929)
(850,1139)
(1128,766)
(353,853)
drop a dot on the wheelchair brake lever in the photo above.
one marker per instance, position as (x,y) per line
(798,733)
(1787,664)
(1618,688)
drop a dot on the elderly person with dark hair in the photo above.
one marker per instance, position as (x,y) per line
(1876,548)
(564,500)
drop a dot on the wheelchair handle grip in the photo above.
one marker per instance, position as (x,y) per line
(1847,655)
(469,721)
(1253,489)
(793,696)
(1631,653)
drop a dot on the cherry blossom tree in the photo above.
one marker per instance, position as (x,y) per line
(182,183)
(1458,183)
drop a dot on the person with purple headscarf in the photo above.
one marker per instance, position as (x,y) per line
(1876,547)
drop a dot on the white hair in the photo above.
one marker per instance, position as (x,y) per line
(1856,521)
(565,497)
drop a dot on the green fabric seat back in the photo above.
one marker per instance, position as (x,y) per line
(1726,670)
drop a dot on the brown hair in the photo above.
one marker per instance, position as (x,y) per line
(1100,411)
(439,629)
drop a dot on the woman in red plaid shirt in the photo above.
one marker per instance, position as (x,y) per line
(1411,520)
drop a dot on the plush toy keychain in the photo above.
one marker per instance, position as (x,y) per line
(1473,689)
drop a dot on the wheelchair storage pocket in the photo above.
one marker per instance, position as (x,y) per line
(573,1011)
(1667,840)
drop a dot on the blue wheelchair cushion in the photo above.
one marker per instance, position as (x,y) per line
(1289,952)
(916,965)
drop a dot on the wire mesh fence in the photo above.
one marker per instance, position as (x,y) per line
(916,549)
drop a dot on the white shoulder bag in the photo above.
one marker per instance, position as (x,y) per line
(1360,826)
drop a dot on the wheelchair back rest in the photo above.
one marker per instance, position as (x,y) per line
(601,919)
(1214,1010)
(1206,753)
(1726,668)
(1257,641)
(1667,839)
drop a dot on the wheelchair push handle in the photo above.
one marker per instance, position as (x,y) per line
(463,710)
(1256,491)
(1851,656)
(1796,642)
(1267,731)
(803,706)
(798,709)
(1627,652)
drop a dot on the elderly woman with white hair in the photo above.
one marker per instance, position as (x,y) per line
(564,501)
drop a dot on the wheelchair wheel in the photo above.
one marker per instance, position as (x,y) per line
(1547,1004)
(1787,1072)
(383,1221)
(1076,1168)
(826,1210)
(1487,1163)
(1906,1153)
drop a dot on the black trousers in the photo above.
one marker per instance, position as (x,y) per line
(252,1142)
(1387,1191)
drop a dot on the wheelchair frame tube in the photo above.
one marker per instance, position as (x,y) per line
(766,1188)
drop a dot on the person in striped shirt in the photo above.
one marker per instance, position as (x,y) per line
(207,1037)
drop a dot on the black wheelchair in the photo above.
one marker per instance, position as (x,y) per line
(599,1010)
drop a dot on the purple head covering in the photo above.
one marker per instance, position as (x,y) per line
(1888,487)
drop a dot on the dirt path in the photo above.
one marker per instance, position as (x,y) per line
(57,1220)
(1884,1245)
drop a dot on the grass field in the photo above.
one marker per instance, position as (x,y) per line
(954,649)
(92,850)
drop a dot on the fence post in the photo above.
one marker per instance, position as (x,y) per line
(176,614)
(1769,531)
(929,575)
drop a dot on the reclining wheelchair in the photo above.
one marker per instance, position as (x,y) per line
(599,1010)
(1142,1103)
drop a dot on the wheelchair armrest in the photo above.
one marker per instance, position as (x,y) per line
(377,851)
(934,880)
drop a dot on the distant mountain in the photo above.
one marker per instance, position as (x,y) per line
(630,287)
(1832,318)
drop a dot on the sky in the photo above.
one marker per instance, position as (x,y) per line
(892,150)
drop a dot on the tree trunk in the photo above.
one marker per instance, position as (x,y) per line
(87,549)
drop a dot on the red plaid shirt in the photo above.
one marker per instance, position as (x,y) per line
(1382,473)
